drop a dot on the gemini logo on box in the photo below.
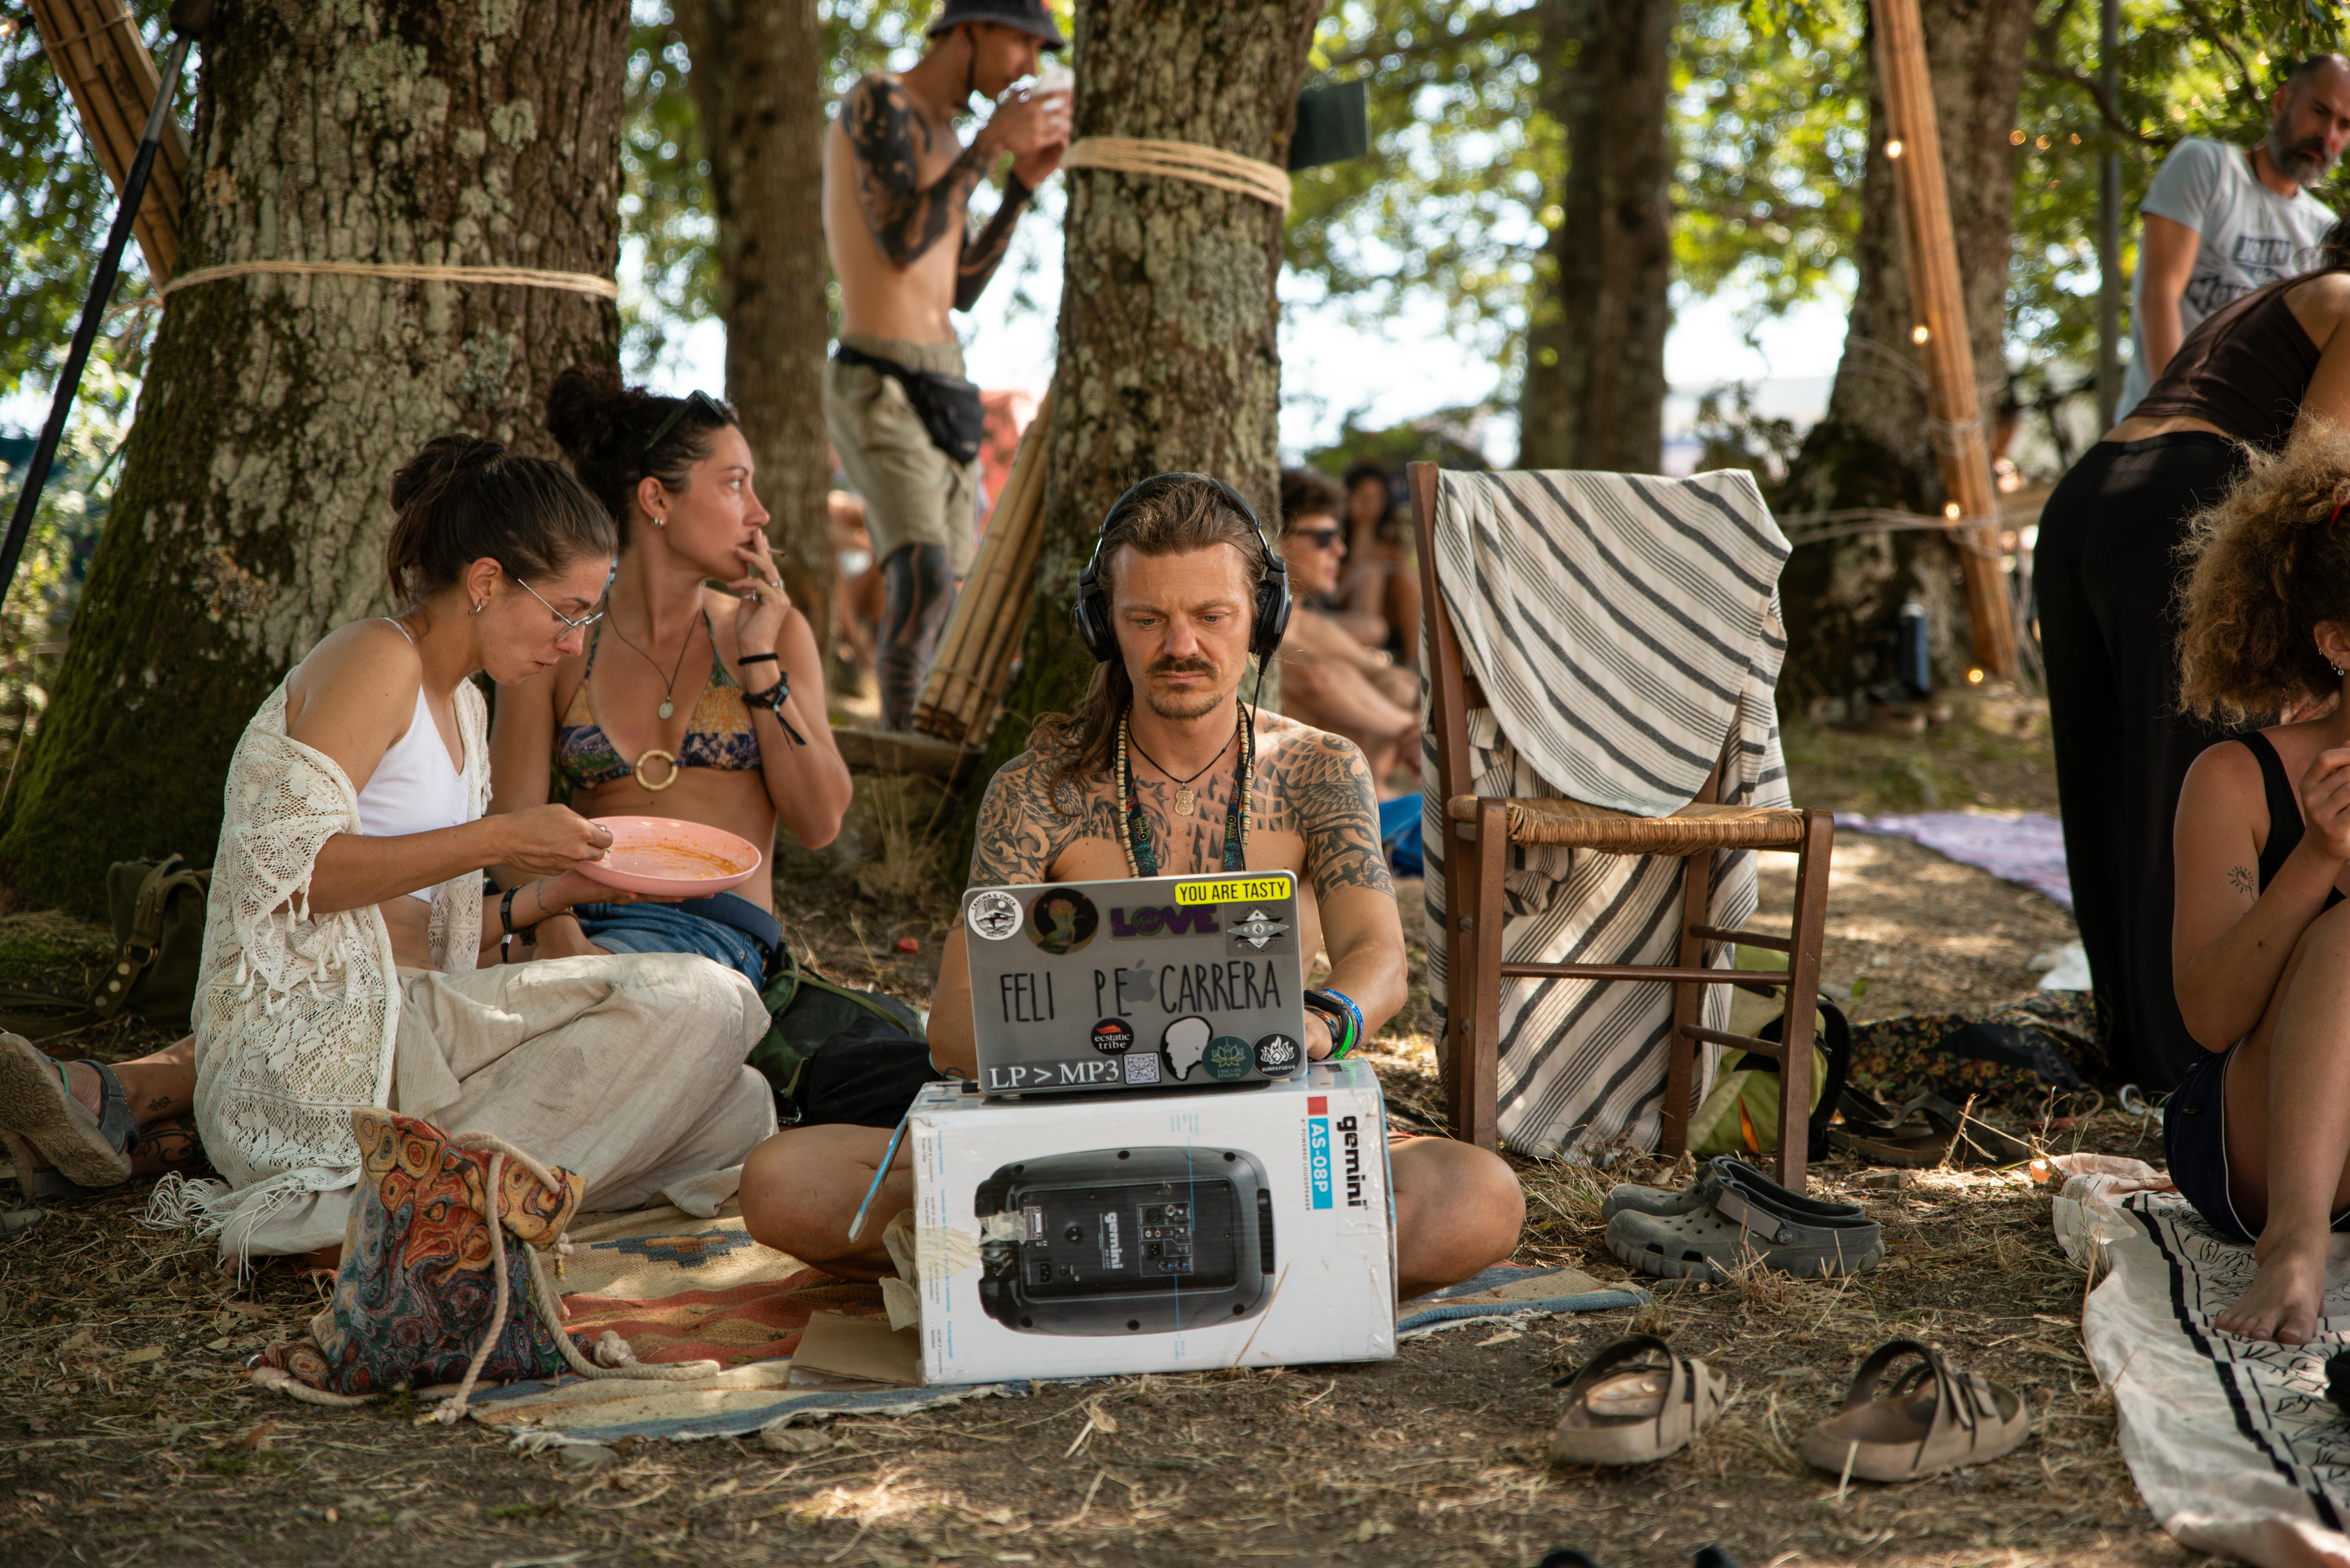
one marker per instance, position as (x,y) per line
(1320,1181)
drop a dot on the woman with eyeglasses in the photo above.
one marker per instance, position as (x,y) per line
(351,956)
(689,700)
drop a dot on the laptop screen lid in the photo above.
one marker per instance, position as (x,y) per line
(1138,982)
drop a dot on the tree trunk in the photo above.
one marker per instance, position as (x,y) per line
(1594,380)
(757,92)
(1169,354)
(1873,448)
(253,509)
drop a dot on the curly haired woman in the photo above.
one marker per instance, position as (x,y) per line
(2258,1134)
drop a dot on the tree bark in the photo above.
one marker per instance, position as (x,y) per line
(1169,353)
(1873,448)
(758,93)
(253,509)
(1595,382)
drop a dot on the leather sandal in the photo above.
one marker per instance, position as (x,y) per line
(1933,1417)
(36,1106)
(1747,1215)
(1622,1409)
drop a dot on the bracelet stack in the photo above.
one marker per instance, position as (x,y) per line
(1345,1019)
(774,698)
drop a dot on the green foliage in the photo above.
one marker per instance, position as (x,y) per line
(56,204)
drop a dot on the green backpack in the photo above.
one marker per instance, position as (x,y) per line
(158,911)
(804,1010)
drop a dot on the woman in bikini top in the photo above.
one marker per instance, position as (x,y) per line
(693,702)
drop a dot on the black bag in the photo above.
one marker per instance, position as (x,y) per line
(947,405)
(158,910)
(865,1075)
(806,1012)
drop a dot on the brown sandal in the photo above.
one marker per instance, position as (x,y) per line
(1934,1418)
(1620,1413)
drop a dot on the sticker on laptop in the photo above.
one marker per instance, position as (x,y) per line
(994,913)
(1235,889)
(1062,921)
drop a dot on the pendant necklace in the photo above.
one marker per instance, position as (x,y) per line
(1141,857)
(1186,801)
(668,690)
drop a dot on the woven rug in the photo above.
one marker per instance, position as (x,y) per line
(2026,847)
(2231,1441)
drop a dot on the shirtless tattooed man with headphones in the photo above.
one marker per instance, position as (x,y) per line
(898,183)
(1145,779)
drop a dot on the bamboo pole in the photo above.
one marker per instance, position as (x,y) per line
(95,48)
(966,681)
(1915,148)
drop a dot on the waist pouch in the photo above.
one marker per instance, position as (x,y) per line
(947,405)
(738,913)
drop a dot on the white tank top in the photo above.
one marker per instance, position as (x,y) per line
(414,789)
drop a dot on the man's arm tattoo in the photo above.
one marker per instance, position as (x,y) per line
(889,139)
(1022,828)
(983,253)
(1321,783)
(2240,877)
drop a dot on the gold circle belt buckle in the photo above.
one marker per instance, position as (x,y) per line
(647,785)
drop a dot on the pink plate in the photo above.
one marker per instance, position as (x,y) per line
(672,859)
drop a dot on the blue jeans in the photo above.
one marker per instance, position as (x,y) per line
(664,929)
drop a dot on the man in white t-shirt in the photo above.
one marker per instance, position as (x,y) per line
(2222,221)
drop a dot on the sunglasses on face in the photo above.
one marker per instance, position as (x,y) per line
(695,399)
(1320,538)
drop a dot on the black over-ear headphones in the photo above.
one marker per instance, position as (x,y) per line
(1091,612)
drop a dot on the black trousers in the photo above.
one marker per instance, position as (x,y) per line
(2106,570)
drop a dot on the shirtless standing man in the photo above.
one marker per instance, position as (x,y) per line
(1181,570)
(897,192)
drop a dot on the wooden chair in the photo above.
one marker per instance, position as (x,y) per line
(1473,916)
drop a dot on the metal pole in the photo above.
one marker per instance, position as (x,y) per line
(93,311)
(2109,229)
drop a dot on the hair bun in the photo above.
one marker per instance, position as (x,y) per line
(586,408)
(430,469)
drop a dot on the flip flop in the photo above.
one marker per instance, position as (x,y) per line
(1747,1215)
(1933,1417)
(1622,1409)
(39,1108)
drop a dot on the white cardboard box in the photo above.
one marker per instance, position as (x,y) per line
(1154,1232)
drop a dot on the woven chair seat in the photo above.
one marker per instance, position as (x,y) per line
(1576,825)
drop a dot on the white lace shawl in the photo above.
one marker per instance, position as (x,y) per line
(295,1016)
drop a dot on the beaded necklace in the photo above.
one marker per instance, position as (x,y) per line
(1141,858)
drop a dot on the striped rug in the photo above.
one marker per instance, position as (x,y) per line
(1623,627)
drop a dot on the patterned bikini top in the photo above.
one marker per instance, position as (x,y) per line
(718,733)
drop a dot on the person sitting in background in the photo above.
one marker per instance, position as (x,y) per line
(1182,566)
(350,956)
(711,708)
(1328,679)
(2258,1134)
(1378,597)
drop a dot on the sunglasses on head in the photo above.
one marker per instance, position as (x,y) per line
(694,399)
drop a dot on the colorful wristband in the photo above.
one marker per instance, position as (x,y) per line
(1342,1011)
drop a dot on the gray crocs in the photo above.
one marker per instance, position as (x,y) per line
(1747,1215)
(39,1108)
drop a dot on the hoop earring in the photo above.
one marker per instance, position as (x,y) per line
(479,605)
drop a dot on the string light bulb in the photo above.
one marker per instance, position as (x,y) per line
(1950,510)
(1921,333)
(1893,148)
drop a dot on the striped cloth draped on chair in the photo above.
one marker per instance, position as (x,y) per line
(1623,627)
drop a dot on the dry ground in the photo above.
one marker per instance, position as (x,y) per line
(127,1438)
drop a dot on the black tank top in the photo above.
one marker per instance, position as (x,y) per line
(2284,811)
(2244,369)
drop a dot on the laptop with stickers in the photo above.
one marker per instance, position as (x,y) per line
(1154,982)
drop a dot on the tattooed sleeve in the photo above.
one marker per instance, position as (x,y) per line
(1322,783)
(889,139)
(1022,828)
(983,252)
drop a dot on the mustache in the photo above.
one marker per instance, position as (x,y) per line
(1180,667)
